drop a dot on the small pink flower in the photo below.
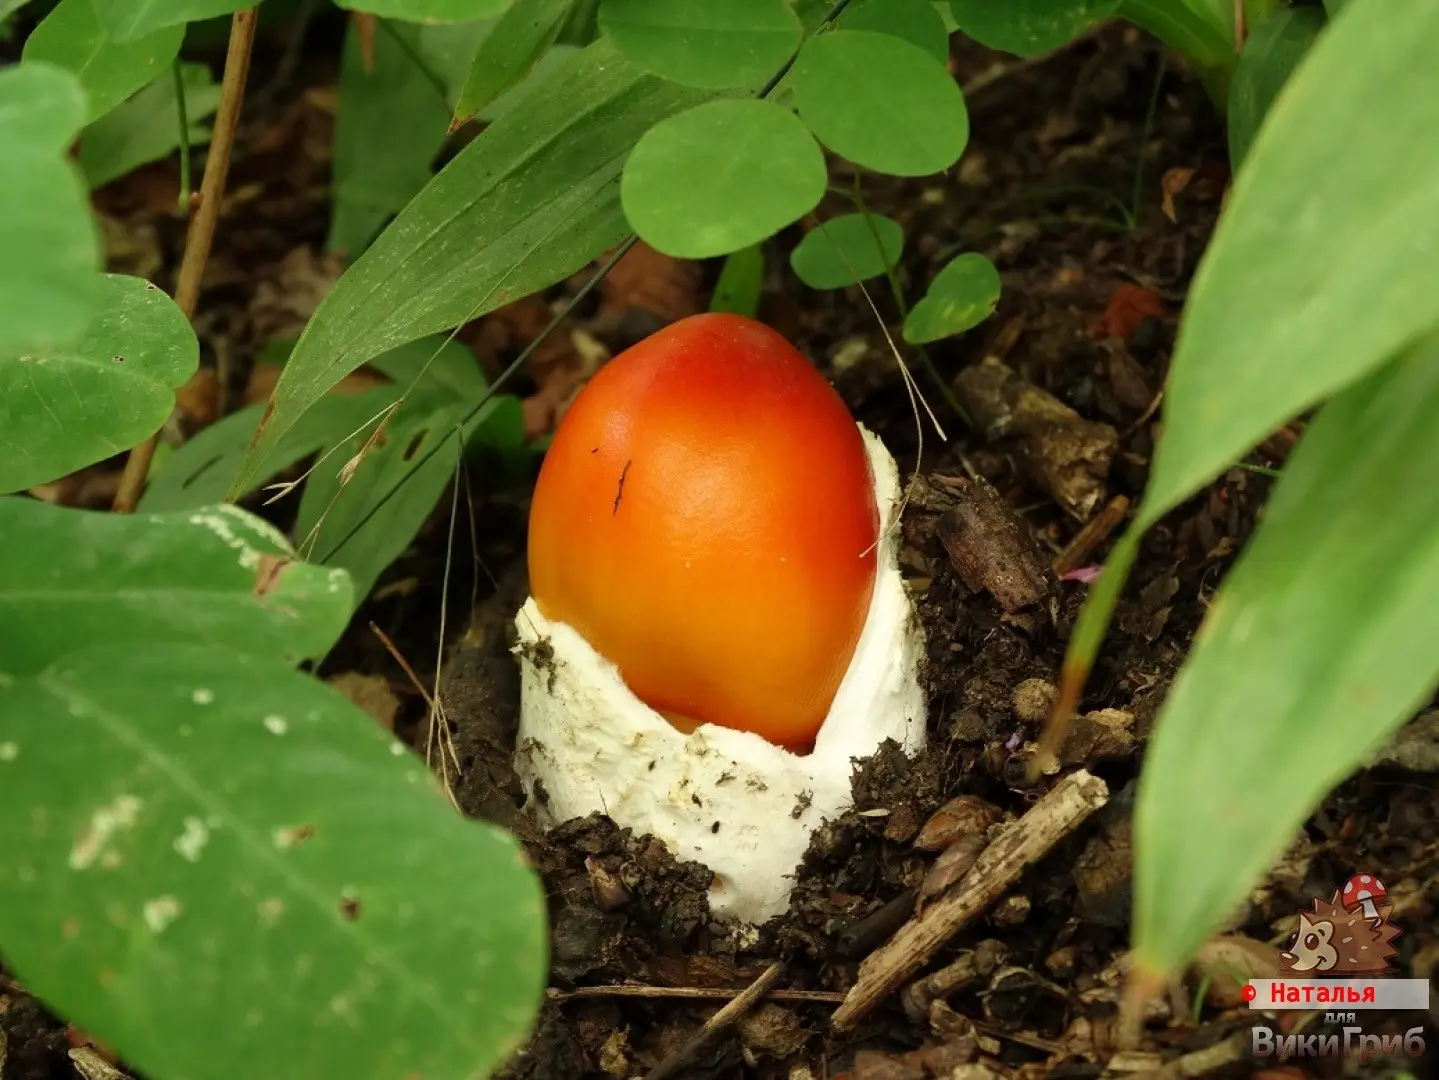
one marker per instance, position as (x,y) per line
(1085,575)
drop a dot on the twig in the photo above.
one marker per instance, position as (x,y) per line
(1025,842)
(202,226)
(692,993)
(717,1023)
(89,1064)
(1094,533)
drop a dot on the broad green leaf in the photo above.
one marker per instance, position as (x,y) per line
(389,126)
(130,20)
(1323,264)
(946,13)
(529,201)
(218,576)
(146,128)
(62,409)
(71,37)
(738,43)
(219,865)
(916,21)
(881,102)
(1319,643)
(846,250)
(349,488)
(1029,27)
(722,176)
(961,296)
(510,52)
(429,11)
(740,282)
(49,285)
(1271,53)
(1334,7)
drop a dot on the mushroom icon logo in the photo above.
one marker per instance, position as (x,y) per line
(1348,934)
(1364,891)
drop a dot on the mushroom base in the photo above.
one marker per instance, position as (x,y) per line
(730,800)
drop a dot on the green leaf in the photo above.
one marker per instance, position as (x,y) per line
(49,287)
(916,21)
(946,14)
(1323,262)
(9,7)
(739,43)
(881,102)
(147,127)
(339,495)
(1318,645)
(62,409)
(1271,53)
(130,20)
(428,11)
(216,860)
(1029,27)
(447,50)
(71,37)
(389,126)
(198,473)
(510,53)
(740,282)
(1195,33)
(847,249)
(71,579)
(434,368)
(961,296)
(528,202)
(725,175)
(1333,7)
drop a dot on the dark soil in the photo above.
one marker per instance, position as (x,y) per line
(1061,151)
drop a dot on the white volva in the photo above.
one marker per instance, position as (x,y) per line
(728,799)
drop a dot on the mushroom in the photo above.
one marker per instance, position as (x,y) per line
(1365,891)
(718,625)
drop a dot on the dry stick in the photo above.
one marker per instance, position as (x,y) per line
(717,1023)
(202,225)
(692,993)
(1094,533)
(1025,842)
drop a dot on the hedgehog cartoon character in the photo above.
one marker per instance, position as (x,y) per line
(1333,940)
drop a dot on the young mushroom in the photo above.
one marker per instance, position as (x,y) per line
(1364,891)
(717,624)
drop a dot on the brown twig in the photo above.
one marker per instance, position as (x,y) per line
(1022,844)
(1094,533)
(693,993)
(202,226)
(717,1023)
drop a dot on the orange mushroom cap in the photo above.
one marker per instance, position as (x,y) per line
(705,519)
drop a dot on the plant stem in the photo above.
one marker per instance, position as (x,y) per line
(184,136)
(1144,140)
(898,292)
(202,226)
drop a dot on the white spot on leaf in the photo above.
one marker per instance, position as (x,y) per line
(193,840)
(161,912)
(9,751)
(276,725)
(201,696)
(104,823)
